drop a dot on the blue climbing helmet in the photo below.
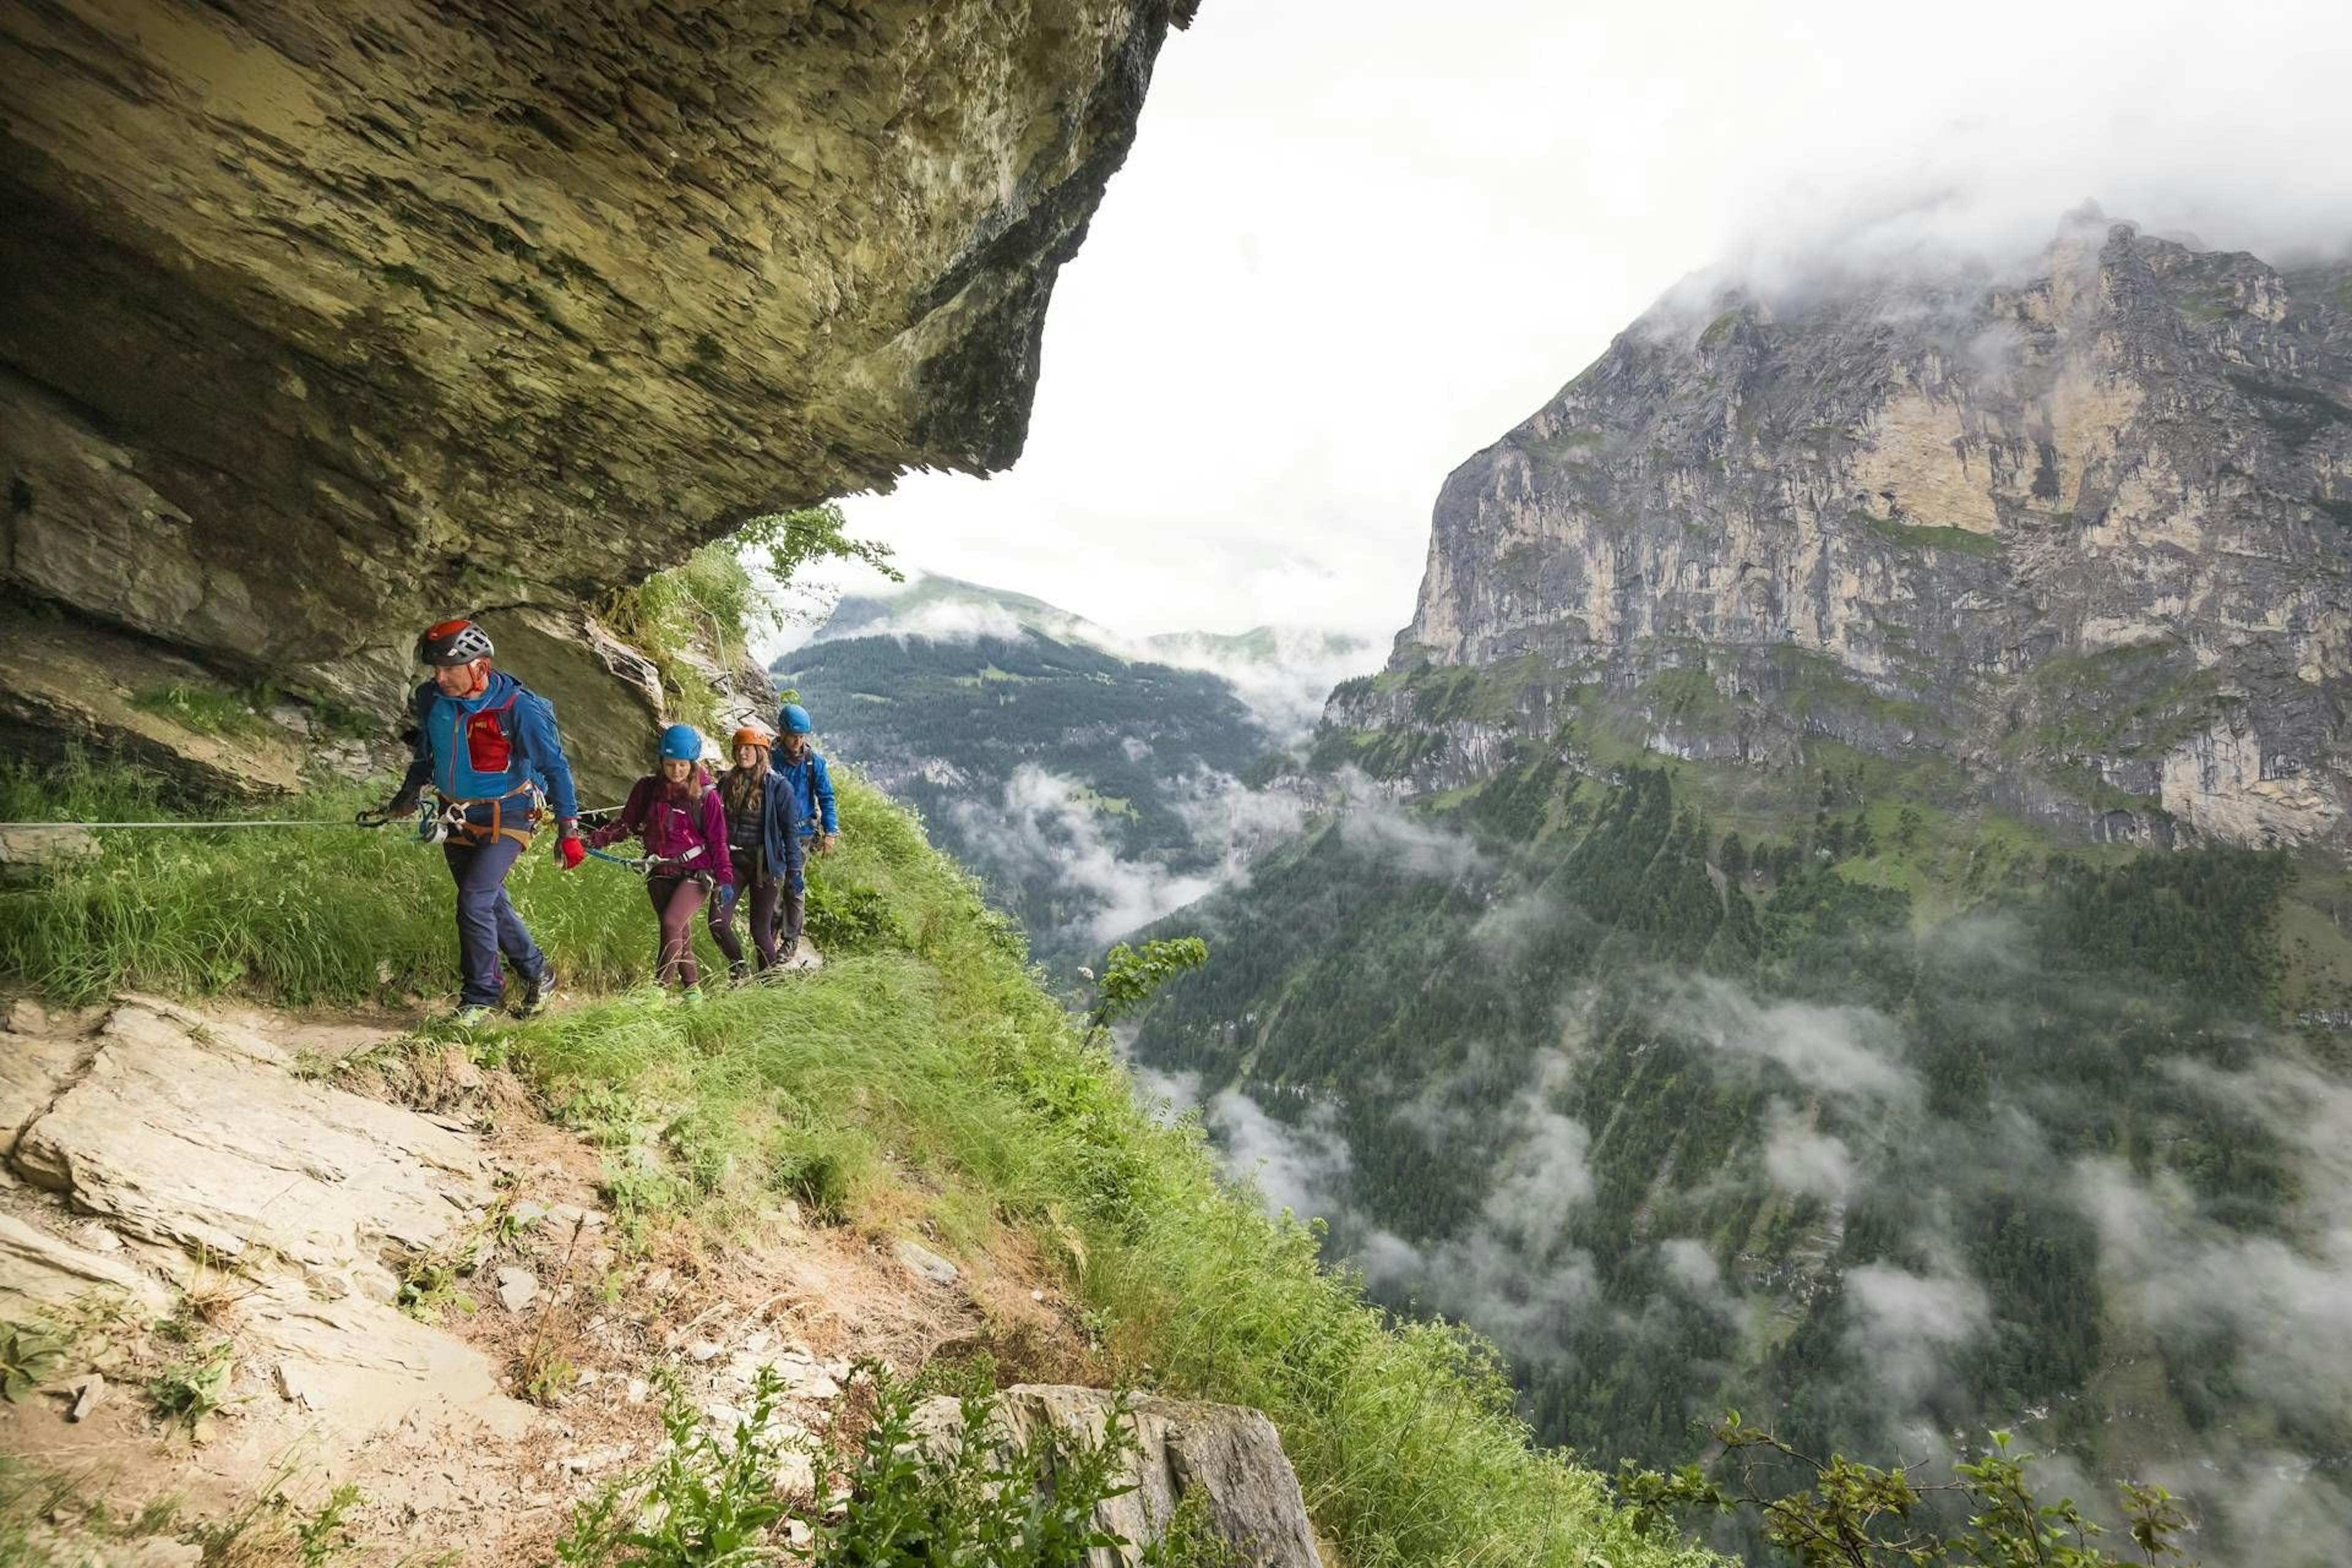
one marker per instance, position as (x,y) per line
(681,742)
(793,720)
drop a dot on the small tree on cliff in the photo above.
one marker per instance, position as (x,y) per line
(1130,975)
(1835,1513)
(789,541)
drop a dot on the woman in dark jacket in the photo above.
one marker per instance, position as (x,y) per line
(763,845)
(677,813)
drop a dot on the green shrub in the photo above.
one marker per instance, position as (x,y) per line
(848,919)
(708,1501)
(1838,1514)
(827,1169)
(188,1390)
(973,1505)
(30,1354)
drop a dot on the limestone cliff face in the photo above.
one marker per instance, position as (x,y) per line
(318,322)
(2086,539)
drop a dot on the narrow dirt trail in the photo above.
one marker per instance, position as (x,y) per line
(410,1279)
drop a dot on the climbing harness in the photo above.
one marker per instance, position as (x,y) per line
(439,826)
(450,822)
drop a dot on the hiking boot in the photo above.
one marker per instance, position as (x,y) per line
(690,997)
(471,1014)
(536,993)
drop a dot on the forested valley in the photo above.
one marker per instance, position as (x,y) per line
(1685,1122)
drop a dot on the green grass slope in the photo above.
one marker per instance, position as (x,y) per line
(927,1036)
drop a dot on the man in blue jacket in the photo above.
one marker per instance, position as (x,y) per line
(488,749)
(804,768)
(797,763)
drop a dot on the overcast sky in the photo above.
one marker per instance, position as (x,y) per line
(1358,239)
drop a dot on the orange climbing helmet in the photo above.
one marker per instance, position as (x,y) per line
(752,735)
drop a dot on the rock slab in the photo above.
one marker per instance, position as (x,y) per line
(1229,1455)
(174,1134)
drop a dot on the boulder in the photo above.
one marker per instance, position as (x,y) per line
(923,1263)
(30,848)
(1227,1454)
(356,1369)
(71,683)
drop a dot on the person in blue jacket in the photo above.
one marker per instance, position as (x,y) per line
(798,763)
(763,841)
(488,747)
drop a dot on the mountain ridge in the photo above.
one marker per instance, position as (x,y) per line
(2082,541)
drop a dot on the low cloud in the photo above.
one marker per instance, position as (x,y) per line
(1909,1327)
(1850,1051)
(1800,1160)
(1045,825)
(2280,1299)
(1690,1264)
(1283,683)
(1374,827)
(1508,924)
(1219,810)
(1301,1166)
(1513,1273)
(1168,1095)
(1695,1273)
(948,620)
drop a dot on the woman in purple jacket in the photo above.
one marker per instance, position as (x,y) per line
(683,823)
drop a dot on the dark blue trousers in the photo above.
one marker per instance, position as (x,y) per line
(487,923)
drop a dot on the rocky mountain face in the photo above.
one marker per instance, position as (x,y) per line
(2076,546)
(318,325)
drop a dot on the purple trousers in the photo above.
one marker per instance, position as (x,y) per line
(674,900)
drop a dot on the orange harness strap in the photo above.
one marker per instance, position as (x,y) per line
(474,835)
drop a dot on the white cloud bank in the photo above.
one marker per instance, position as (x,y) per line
(1350,248)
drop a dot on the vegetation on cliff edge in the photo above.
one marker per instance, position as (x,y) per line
(926,1036)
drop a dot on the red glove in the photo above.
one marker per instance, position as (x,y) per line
(570,851)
